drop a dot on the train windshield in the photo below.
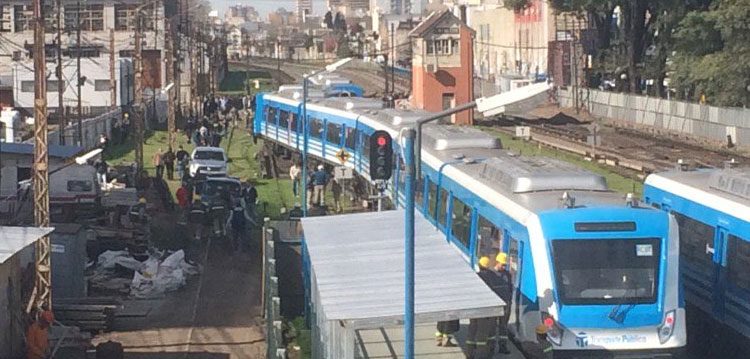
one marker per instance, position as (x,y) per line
(607,271)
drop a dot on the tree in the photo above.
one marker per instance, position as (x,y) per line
(711,48)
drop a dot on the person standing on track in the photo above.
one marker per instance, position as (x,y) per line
(502,285)
(479,341)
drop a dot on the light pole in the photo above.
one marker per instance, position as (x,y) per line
(488,106)
(305,78)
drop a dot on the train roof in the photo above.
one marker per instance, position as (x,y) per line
(727,190)
(536,183)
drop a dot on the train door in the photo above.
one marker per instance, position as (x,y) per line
(514,248)
(720,271)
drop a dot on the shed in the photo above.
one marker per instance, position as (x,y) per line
(16,263)
(354,273)
(68,260)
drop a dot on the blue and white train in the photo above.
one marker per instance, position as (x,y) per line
(602,273)
(712,207)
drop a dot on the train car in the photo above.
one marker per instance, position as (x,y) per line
(599,270)
(712,207)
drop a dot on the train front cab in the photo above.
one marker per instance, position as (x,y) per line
(714,258)
(612,275)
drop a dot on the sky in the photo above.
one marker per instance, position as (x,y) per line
(266,6)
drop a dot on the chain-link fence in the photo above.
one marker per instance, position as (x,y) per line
(725,125)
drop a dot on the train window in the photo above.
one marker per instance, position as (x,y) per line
(461,223)
(694,238)
(333,133)
(351,138)
(432,200)
(283,119)
(489,239)
(80,186)
(738,262)
(271,115)
(365,146)
(292,126)
(443,209)
(514,262)
(615,270)
(419,192)
(316,128)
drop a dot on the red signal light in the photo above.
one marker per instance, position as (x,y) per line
(549,322)
(669,320)
(382,141)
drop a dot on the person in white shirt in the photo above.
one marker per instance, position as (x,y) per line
(294,173)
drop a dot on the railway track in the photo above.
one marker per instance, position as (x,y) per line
(371,80)
(636,152)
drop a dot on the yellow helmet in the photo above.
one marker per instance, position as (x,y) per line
(541,329)
(484,262)
(142,200)
(502,258)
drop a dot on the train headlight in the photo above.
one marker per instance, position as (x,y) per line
(554,331)
(667,327)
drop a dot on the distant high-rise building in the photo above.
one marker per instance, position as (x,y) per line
(304,9)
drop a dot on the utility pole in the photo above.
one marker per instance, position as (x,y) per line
(393,59)
(43,282)
(138,84)
(80,77)
(169,79)
(112,80)
(60,86)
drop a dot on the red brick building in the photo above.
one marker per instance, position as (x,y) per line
(442,65)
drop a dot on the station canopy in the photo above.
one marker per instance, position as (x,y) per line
(355,265)
(15,239)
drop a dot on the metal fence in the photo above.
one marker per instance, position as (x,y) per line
(715,124)
(271,301)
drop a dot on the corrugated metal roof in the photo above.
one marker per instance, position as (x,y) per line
(358,263)
(14,239)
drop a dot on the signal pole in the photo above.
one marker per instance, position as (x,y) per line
(112,80)
(41,175)
(169,79)
(60,87)
(138,84)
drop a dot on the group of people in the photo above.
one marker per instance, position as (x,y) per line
(316,184)
(487,336)
(225,212)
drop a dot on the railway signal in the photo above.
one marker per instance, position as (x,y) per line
(381,155)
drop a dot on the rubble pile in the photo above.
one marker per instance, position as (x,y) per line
(160,273)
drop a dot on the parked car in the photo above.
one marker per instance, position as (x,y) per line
(211,161)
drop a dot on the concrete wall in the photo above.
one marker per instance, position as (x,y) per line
(700,121)
(11,303)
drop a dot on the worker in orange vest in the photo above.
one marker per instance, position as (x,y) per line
(37,340)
